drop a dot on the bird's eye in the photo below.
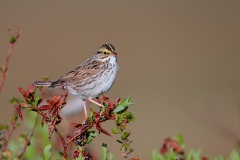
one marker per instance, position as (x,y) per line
(105,53)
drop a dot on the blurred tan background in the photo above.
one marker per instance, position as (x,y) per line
(180,61)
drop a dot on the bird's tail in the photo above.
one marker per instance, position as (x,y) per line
(42,83)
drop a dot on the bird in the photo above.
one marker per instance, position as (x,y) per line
(90,79)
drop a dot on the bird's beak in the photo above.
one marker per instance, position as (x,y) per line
(113,54)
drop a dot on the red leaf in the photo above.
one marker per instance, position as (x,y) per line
(99,127)
(105,99)
(163,150)
(76,125)
(52,127)
(76,154)
(55,99)
(116,101)
(108,113)
(55,110)
(19,112)
(21,90)
(176,147)
(31,88)
(96,114)
(23,104)
(28,93)
(170,143)
(45,107)
(123,153)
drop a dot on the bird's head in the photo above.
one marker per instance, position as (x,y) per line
(106,51)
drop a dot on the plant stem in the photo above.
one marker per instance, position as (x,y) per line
(4,72)
(13,124)
(90,126)
(29,138)
(64,144)
(126,153)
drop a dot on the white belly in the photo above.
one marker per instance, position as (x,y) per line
(106,81)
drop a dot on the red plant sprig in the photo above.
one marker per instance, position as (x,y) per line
(171,143)
(51,116)
(177,147)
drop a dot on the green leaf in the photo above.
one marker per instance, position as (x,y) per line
(125,102)
(180,140)
(12,39)
(119,120)
(119,141)
(125,135)
(124,115)
(46,155)
(155,155)
(22,137)
(93,134)
(111,156)
(6,127)
(104,152)
(219,158)
(37,98)
(131,150)
(79,157)
(234,155)
(130,117)
(194,155)
(105,104)
(104,145)
(45,78)
(123,105)
(89,140)
(125,146)
(115,131)
(91,116)
(118,109)
(14,101)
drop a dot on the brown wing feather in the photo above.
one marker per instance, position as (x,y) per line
(86,70)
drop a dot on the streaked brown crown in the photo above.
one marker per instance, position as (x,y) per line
(109,47)
(105,50)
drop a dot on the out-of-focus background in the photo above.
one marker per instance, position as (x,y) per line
(180,61)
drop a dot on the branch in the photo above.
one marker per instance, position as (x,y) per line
(51,116)
(13,124)
(63,143)
(13,40)
(27,142)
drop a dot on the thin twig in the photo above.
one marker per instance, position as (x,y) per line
(83,131)
(4,71)
(63,143)
(126,153)
(27,142)
(13,125)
